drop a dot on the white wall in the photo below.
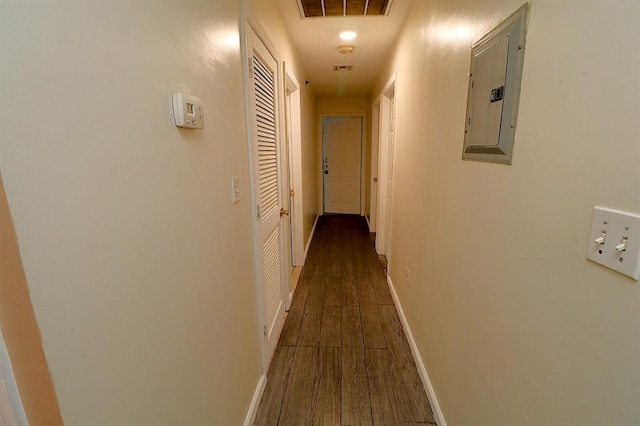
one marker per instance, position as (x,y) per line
(342,105)
(310,166)
(514,325)
(138,264)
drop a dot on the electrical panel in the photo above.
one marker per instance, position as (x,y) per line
(494,91)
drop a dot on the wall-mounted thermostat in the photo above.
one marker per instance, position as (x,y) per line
(187,111)
(494,91)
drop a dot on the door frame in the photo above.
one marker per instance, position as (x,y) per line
(11,407)
(375,143)
(293,136)
(385,157)
(249,22)
(363,138)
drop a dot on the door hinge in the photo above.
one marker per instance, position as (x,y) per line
(264,329)
(291,193)
(250,67)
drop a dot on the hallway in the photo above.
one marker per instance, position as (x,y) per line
(343,357)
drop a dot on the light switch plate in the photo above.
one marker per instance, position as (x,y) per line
(609,230)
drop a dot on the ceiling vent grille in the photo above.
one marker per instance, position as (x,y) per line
(342,67)
(325,8)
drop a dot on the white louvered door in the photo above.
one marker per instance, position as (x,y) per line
(263,83)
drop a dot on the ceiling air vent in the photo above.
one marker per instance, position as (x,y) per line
(323,8)
(342,67)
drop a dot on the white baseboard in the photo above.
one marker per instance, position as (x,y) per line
(255,402)
(367,219)
(295,278)
(313,231)
(437,412)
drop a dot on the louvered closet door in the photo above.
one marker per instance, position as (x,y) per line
(263,89)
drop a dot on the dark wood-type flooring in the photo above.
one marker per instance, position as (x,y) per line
(343,358)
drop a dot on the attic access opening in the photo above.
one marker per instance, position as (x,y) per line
(324,8)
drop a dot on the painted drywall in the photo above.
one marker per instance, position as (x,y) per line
(310,165)
(139,267)
(334,105)
(20,330)
(269,18)
(513,323)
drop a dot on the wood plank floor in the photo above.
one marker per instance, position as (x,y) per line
(343,358)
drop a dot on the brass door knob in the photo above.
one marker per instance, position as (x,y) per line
(284,212)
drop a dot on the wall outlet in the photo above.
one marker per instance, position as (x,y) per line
(615,241)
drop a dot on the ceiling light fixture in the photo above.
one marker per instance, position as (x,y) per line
(345,50)
(348,35)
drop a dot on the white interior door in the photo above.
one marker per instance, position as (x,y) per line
(289,189)
(387,242)
(383,164)
(271,238)
(11,409)
(294,138)
(342,148)
(294,149)
(385,169)
(375,141)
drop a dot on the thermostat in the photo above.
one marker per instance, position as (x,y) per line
(187,111)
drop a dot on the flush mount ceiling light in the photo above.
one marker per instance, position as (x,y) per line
(345,50)
(348,35)
(324,8)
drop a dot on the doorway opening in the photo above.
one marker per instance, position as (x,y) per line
(372,219)
(342,164)
(293,137)
(268,170)
(385,170)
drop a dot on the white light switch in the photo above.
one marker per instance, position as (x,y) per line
(615,241)
(235,190)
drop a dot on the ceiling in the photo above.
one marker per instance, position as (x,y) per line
(317,41)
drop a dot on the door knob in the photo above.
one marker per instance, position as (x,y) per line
(284,212)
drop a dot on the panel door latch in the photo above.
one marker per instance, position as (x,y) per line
(497,94)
